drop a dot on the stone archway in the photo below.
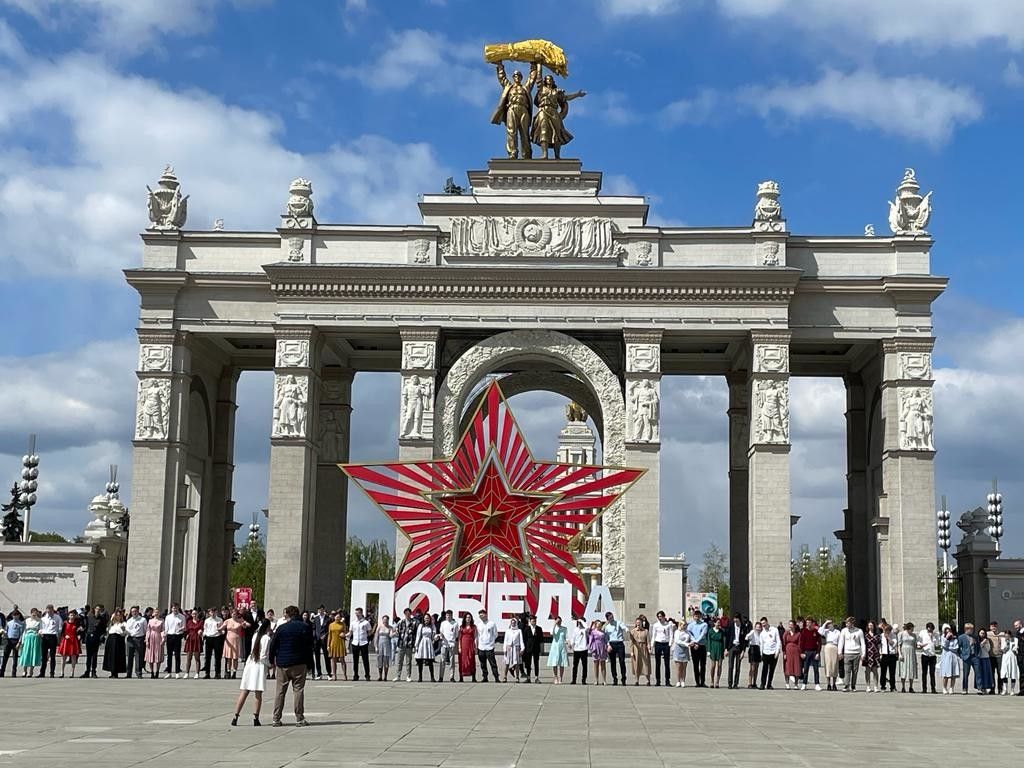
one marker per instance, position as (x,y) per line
(545,381)
(566,353)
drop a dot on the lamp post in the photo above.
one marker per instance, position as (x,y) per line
(995,513)
(944,541)
(254,531)
(29,483)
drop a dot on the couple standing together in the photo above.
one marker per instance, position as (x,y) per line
(288,650)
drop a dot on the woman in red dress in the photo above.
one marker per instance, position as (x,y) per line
(193,642)
(791,664)
(467,648)
(70,648)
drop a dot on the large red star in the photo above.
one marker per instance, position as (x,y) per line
(492,512)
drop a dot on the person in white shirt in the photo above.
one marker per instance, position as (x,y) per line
(359,635)
(174,631)
(448,632)
(135,636)
(486,637)
(580,643)
(927,642)
(851,650)
(661,639)
(213,641)
(681,642)
(753,654)
(830,652)
(771,644)
(50,626)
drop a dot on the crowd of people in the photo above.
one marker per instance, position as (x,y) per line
(700,649)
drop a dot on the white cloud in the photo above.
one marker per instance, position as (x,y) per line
(125,26)
(1012,76)
(628,8)
(699,109)
(929,23)
(428,60)
(911,106)
(121,129)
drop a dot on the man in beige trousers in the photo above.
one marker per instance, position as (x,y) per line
(291,653)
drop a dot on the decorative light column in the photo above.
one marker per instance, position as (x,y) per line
(29,484)
(290,527)
(643,450)
(416,405)
(768,498)
(995,513)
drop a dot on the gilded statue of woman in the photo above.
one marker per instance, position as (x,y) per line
(552,106)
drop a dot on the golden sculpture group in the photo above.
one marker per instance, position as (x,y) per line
(546,128)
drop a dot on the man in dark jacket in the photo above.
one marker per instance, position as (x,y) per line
(95,628)
(291,654)
(533,644)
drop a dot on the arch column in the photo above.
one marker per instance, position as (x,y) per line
(643,450)
(739,480)
(419,375)
(291,515)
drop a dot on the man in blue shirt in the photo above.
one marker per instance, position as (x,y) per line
(616,634)
(698,630)
(291,653)
(969,655)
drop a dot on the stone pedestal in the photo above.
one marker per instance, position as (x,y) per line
(768,497)
(643,450)
(293,460)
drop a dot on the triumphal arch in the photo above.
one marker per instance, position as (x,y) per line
(532,273)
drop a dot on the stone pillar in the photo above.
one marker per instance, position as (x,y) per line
(861,578)
(643,450)
(293,458)
(907,505)
(415,434)
(212,581)
(332,441)
(158,464)
(739,479)
(230,529)
(768,499)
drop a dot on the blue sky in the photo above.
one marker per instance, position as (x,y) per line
(690,102)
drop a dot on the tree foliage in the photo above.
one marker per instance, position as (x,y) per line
(12,527)
(819,590)
(250,569)
(366,560)
(714,575)
(46,537)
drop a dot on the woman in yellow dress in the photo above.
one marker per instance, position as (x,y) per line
(336,632)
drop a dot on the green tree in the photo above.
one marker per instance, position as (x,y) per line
(714,575)
(948,596)
(250,569)
(366,560)
(46,537)
(819,588)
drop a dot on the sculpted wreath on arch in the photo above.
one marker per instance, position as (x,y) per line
(547,129)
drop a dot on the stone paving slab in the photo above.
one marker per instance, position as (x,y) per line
(185,723)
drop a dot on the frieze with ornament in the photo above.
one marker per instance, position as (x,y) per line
(531,237)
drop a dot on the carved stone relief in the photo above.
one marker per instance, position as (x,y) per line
(644,411)
(331,390)
(639,254)
(152,411)
(771,358)
(416,413)
(331,437)
(771,408)
(916,408)
(420,251)
(291,405)
(531,237)
(155,358)
(295,245)
(418,355)
(643,358)
(770,254)
(915,365)
(299,208)
(489,354)
(910,213)
(292,353)
(768,209)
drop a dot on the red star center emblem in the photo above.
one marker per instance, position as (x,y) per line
(492,512)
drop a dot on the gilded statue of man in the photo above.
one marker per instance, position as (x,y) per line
(552,107)
(515,110)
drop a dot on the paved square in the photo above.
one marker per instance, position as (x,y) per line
(185,723)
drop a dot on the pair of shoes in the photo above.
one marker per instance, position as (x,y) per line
(409,679)
(276,724)
(256,721)
(234,720)
(167,676)
(196,676)
(301,723)
(817,687)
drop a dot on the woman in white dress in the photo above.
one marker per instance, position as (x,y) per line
(513,646)
(681,640)
(254,673)
(426,636)
(1009,670)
